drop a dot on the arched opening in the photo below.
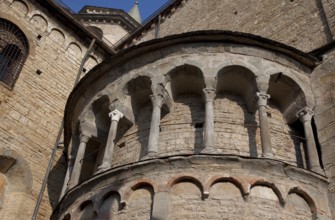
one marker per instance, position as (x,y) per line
(92,159)
(264,196)
(230,180)
(100,115)
(140,201)
(182,128)
(67,217)
(14,48)
(96,123)
(184,195)
(237,80)
(5,164)
(287,94)
(15,184)
(185,79)
(87,211)
(299,203)
(132,140)
(235,125)
(8,56)
(287,132)
(138,91)
(110,205)
(223,195)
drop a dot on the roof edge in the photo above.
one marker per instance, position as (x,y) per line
(146,24)
(120,12)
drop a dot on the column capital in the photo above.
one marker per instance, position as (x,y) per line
(305,114)
(261,99)
(115,104)
(209,94)
(84,138)
(157,100)
(115,115)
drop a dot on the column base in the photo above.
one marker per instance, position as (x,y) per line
(150,155)
(317,169)
(70,185)
(103,167)
(267,155)
(209,150)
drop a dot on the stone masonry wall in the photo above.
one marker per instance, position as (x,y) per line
(132,145)
(323,86)
(112,32)
(139,206)
(179,131)
(201,187)
(31,113)
(236,132)
(226,202)
(298,23)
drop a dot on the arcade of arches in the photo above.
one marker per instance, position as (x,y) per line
(238,117)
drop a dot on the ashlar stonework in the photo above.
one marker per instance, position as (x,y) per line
(208,110)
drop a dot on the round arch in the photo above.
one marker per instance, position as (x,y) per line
(27,33)
(238,80)
(272,186)
(184,79)
(136,93)
(288,94)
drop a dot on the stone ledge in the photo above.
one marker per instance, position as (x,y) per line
(249,170)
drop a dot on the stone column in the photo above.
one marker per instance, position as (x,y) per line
(209,95)
(67,177)
(157,102)
(305,115)
(262,99)
(75,175)
(115,116)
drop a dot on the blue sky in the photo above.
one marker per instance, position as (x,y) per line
(147,7)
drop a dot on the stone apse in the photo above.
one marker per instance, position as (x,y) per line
(203,125)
